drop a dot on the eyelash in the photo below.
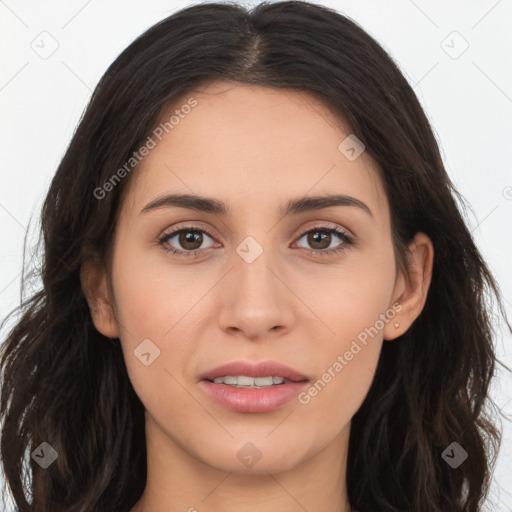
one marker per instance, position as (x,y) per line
(347,240)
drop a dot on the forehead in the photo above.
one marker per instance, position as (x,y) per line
(260,144)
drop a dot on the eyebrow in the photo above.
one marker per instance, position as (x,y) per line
(293,207)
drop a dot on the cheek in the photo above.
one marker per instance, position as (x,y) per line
(352,297)
(355,308)
(153,312)
(152,301)
(346,365)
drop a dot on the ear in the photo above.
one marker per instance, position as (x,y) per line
(94,286)
(411,290)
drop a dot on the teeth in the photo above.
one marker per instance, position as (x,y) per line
(249,382)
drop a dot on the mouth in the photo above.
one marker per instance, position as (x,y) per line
(244,381)
(253,388)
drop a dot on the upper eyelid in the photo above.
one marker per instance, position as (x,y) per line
(174,231)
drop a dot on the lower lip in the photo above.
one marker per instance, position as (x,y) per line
(253,400)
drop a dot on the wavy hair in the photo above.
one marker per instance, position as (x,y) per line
(66,384)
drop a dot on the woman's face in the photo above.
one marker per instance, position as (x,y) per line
(257,282)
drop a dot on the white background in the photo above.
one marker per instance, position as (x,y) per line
(468,100)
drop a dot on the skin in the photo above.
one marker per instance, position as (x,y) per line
(287,305)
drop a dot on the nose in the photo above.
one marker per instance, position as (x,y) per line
(255,301)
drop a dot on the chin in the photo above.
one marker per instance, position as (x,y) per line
(252,458)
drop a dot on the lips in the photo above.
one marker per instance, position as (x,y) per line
(249,400)
(261,369)
(253,399)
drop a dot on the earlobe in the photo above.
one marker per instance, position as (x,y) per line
(94,286)
(411,290)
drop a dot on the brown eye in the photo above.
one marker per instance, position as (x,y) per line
(190,240)
(319,239)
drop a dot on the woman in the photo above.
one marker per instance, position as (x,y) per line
(258,290)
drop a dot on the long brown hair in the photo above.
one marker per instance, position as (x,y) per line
(65,384)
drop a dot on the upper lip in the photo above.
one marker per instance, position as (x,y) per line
(261,369)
